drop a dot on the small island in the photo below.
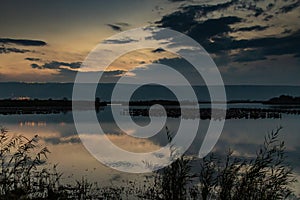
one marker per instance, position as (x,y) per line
(284,100)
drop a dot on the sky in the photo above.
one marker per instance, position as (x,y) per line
(252,42)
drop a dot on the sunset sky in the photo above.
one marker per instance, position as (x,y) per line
(252,42)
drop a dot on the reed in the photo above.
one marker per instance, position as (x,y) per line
(25,174)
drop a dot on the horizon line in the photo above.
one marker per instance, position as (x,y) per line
(274,85)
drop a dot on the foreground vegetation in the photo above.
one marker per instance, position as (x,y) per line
(24,174)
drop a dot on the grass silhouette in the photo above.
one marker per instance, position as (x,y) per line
(24,174)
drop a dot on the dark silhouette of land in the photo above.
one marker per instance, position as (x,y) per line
(37,106)
(284,100)
(278,106)
(281,100)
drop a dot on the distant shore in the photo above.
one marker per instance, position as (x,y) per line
(37,106)
(50,106)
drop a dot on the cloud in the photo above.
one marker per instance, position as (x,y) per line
(62,140)
(114,73)
(212,27)
(177,63)
(33,59)
(242,57)
(289,8)
(270,6)
(229,43)
(114,27)
(248,56)
(185,18)
(120,41)
(118,26)
(22,42)
(4,50)
(252,28)
(57,65)
(158,50)
(268,18)
(248,50)
(190,20)
(215,33)
(66,72)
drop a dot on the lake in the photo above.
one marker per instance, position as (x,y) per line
(58,133)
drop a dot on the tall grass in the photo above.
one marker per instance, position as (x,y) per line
(24,174)
(266,176)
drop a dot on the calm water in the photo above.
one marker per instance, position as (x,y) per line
(59,134)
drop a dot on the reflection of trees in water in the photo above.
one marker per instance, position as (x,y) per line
(206,113)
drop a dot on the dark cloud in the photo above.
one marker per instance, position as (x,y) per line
(242,56)
(158,50)
(287,31)
(270,6)
(259,70)
(212,27)
(268,17)
(289,44)
(284,45)
(23,42)
(67,71)
(115,73)
(252,28)
(248,56)
(118,26)
(115,27)
(5,50)
(213,33)
(252,7)
(179,21)
(288,8)
(185,18)
(203,10)
(57,65)
(33,59)
(36,66)
(222,58)
(258,11)
(204,31)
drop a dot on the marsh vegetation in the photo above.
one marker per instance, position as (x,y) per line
(25,174)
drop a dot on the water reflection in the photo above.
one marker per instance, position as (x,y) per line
(59,134)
